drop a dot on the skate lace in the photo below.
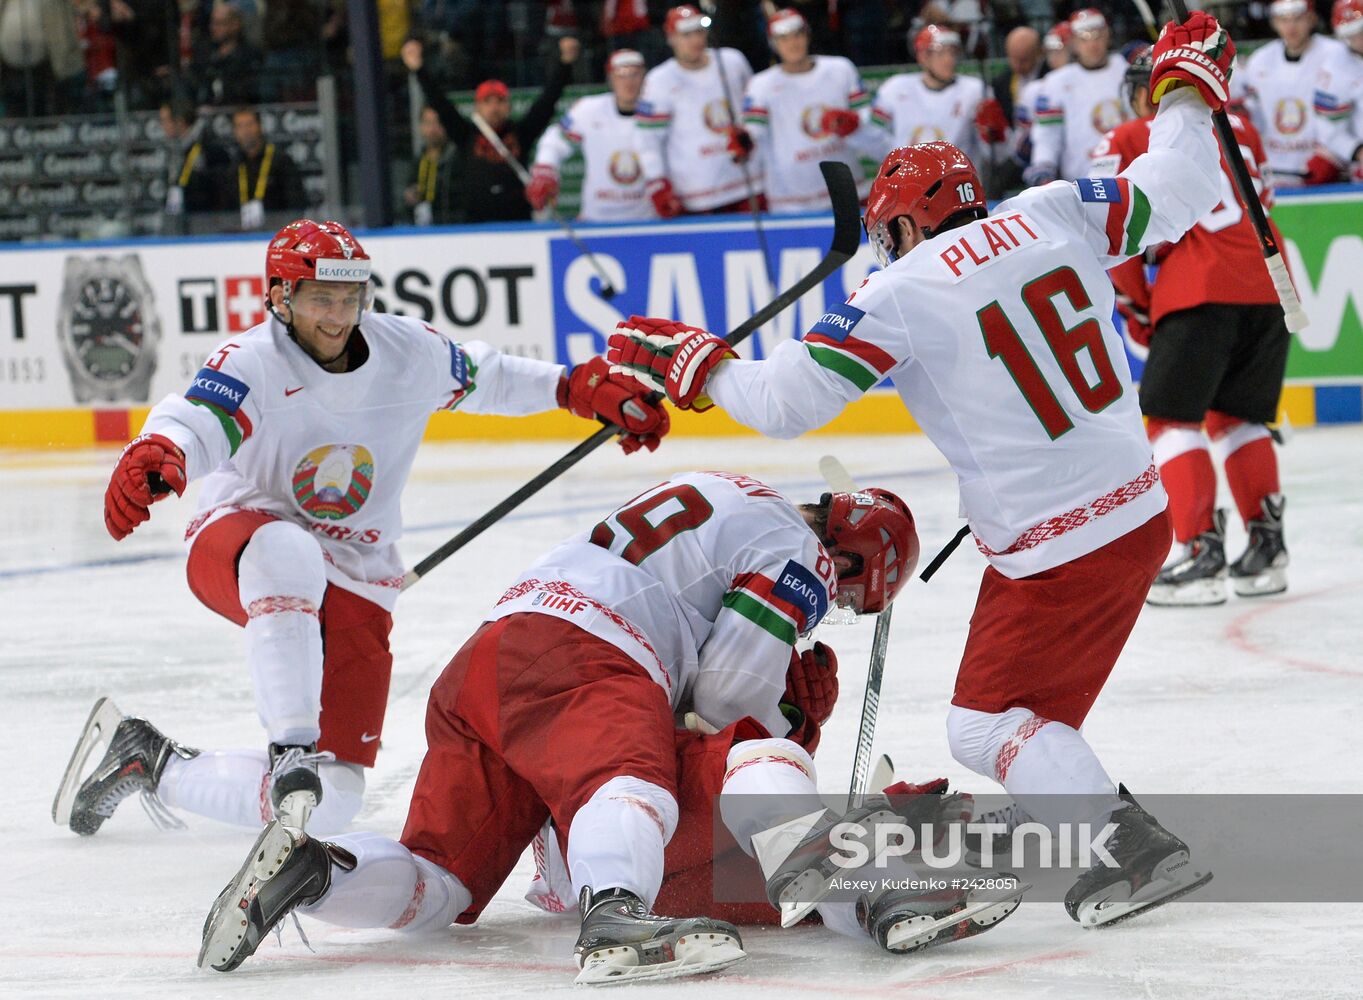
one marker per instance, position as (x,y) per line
(298,926)
(296,757)
(159,813)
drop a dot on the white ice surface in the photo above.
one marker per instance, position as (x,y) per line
(1249,697)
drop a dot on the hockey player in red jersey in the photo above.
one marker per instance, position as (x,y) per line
(1218,349)
(303,430)
(997,332)
(689,598)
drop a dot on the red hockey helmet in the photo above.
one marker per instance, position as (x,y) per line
(929,183)
(315,251)
(683,19)
(786,21)
(1088,21)
(1059,37)
(935,36)
(1347,18)
(875,529)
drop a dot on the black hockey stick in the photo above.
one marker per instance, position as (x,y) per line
(1293,314)
(842,191)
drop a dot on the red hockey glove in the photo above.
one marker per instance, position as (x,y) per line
(149,468)
(812,682)
(592,392)
(1136,318)
(543,186)
(1197,52)
(668,357)
(990,121)
(932,803)
(740,144)
(665,200)
(1320,169)
(839,121)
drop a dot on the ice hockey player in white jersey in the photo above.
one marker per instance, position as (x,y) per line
(1278,83)
(601,128)
(805,109)
(693,149)
(997,332)
(937,103)
(303,430)
(689,598)
(1078,104)
(1338,103)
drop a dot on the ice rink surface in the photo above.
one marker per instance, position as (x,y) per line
(1253,696)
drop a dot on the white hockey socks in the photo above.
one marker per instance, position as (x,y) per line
(231,786)
(1045,765)
(281,580)
(616,839)
(767,783)
(389,887)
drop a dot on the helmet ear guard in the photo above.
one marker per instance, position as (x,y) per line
(873,528)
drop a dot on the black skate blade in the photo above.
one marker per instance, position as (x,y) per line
(99,730)
(227,932)
(1154,904)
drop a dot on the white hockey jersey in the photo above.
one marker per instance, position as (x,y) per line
(908,111)
(999,338)
(681,130)
(1075,108)
(1338,104)
(705,580)
(782,111)
(613,182)
(1278,94)
(273,431)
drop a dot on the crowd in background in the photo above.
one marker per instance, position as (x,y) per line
(60,57)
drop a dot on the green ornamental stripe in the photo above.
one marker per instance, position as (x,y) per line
(849,368)
(229,426)
(761,615)
(1140,219)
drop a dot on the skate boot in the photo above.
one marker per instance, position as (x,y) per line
(621,941)
(902,919)
(285,869)
(295,787)
(805,876)
(1154,869)
(136,753)
(1199,577)
(1262,568)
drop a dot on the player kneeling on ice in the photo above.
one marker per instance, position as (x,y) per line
(688,599)
(997,332)
(304,429)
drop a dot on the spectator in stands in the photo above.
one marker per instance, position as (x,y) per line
(227,70)
(1339,103)
(143,30)
(1078,104)
(40,59)
(268,184)
(1277,84)
(291,39)
(488,188)
(98,49)
(601,128)
(431,188)
(198,167)
(625,24)
(694,152)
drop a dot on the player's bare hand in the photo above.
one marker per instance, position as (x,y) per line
(413,54)
(569,48)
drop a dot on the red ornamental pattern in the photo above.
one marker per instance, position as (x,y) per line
(1054,527)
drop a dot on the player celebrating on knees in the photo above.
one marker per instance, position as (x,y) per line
(304,429)
(1218,359)
(996,330)
(688,598)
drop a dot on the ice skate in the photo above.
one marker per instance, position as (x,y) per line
(295,787)
(902,920)
(285,869)
(1262,567)
(622,942)
(806,876)
(1198,578)
(135,755)
(1155,868)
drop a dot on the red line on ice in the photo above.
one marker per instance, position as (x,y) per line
(1237,632)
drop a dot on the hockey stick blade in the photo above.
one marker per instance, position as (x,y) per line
(842,192)
(835,474)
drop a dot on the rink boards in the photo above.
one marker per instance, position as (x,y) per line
(91,334)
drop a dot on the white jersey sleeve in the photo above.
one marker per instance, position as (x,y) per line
(1338,105)
(478,378)
(554,146)
(652,122)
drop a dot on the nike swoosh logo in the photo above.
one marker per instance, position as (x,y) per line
(290,392)
(366,738)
